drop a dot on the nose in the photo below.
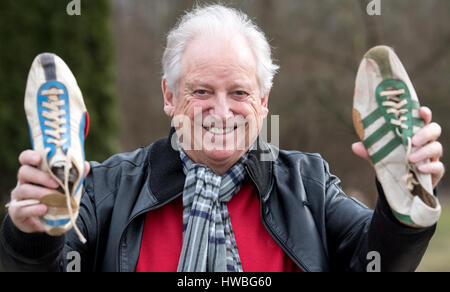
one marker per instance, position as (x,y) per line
(221,108)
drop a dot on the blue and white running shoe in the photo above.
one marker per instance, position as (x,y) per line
(58,122)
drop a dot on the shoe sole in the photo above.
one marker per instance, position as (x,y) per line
(384,140)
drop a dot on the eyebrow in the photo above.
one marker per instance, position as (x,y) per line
(240,85)
(197,84)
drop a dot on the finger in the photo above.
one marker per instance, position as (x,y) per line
(23,213)
(360,150)
(29,174)
(30,192)
(36,225)
(434,168)
(429,133)
(426,114)
(431,151)
(30,157)
(87,168)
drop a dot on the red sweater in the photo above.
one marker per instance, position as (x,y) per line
(162,238)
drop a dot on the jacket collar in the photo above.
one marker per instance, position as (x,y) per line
(167,177)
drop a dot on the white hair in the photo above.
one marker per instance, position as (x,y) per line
(217,18)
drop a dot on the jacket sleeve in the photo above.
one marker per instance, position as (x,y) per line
(21,252)
(39,252)
(355,232)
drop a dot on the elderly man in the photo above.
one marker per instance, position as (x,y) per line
(192,202)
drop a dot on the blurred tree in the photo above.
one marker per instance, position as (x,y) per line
(84,42)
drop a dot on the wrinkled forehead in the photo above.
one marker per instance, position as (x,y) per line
(225,48)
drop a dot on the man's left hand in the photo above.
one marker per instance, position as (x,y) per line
(429,150)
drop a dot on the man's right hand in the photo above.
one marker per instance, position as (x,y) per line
(32,184)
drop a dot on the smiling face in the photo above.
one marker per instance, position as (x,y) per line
(218,100)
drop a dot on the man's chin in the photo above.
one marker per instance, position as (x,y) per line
(220,155)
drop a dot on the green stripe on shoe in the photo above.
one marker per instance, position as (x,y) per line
(371,118)
(401,217)
(415,104)
(418,122)
(377,135)
(383,152)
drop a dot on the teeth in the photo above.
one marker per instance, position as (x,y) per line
(219,131)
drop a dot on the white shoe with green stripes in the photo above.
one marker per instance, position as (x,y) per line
(386,117)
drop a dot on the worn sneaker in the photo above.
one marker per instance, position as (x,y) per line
(58,123)
(386,117)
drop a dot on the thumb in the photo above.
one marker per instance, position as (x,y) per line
(87,168)
(360,150)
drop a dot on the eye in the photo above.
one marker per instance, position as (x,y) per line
(201,93)
(241,94)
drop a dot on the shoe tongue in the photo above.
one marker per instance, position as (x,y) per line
(58,162)
(59,159)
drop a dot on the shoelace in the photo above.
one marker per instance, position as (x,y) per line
(55,122)
(66,189)
(54,117)
(395,106)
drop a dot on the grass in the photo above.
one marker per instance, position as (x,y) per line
(437,257)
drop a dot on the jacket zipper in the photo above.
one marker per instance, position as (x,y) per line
(132,219)
(271,232)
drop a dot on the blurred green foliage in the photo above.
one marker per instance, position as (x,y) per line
(84,42)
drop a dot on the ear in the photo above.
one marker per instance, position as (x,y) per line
(265,104)
(169,106)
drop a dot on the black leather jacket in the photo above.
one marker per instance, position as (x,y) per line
(302,207)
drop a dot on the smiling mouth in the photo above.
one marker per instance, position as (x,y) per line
(219,131)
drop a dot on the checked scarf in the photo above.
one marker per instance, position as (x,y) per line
(209,244)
